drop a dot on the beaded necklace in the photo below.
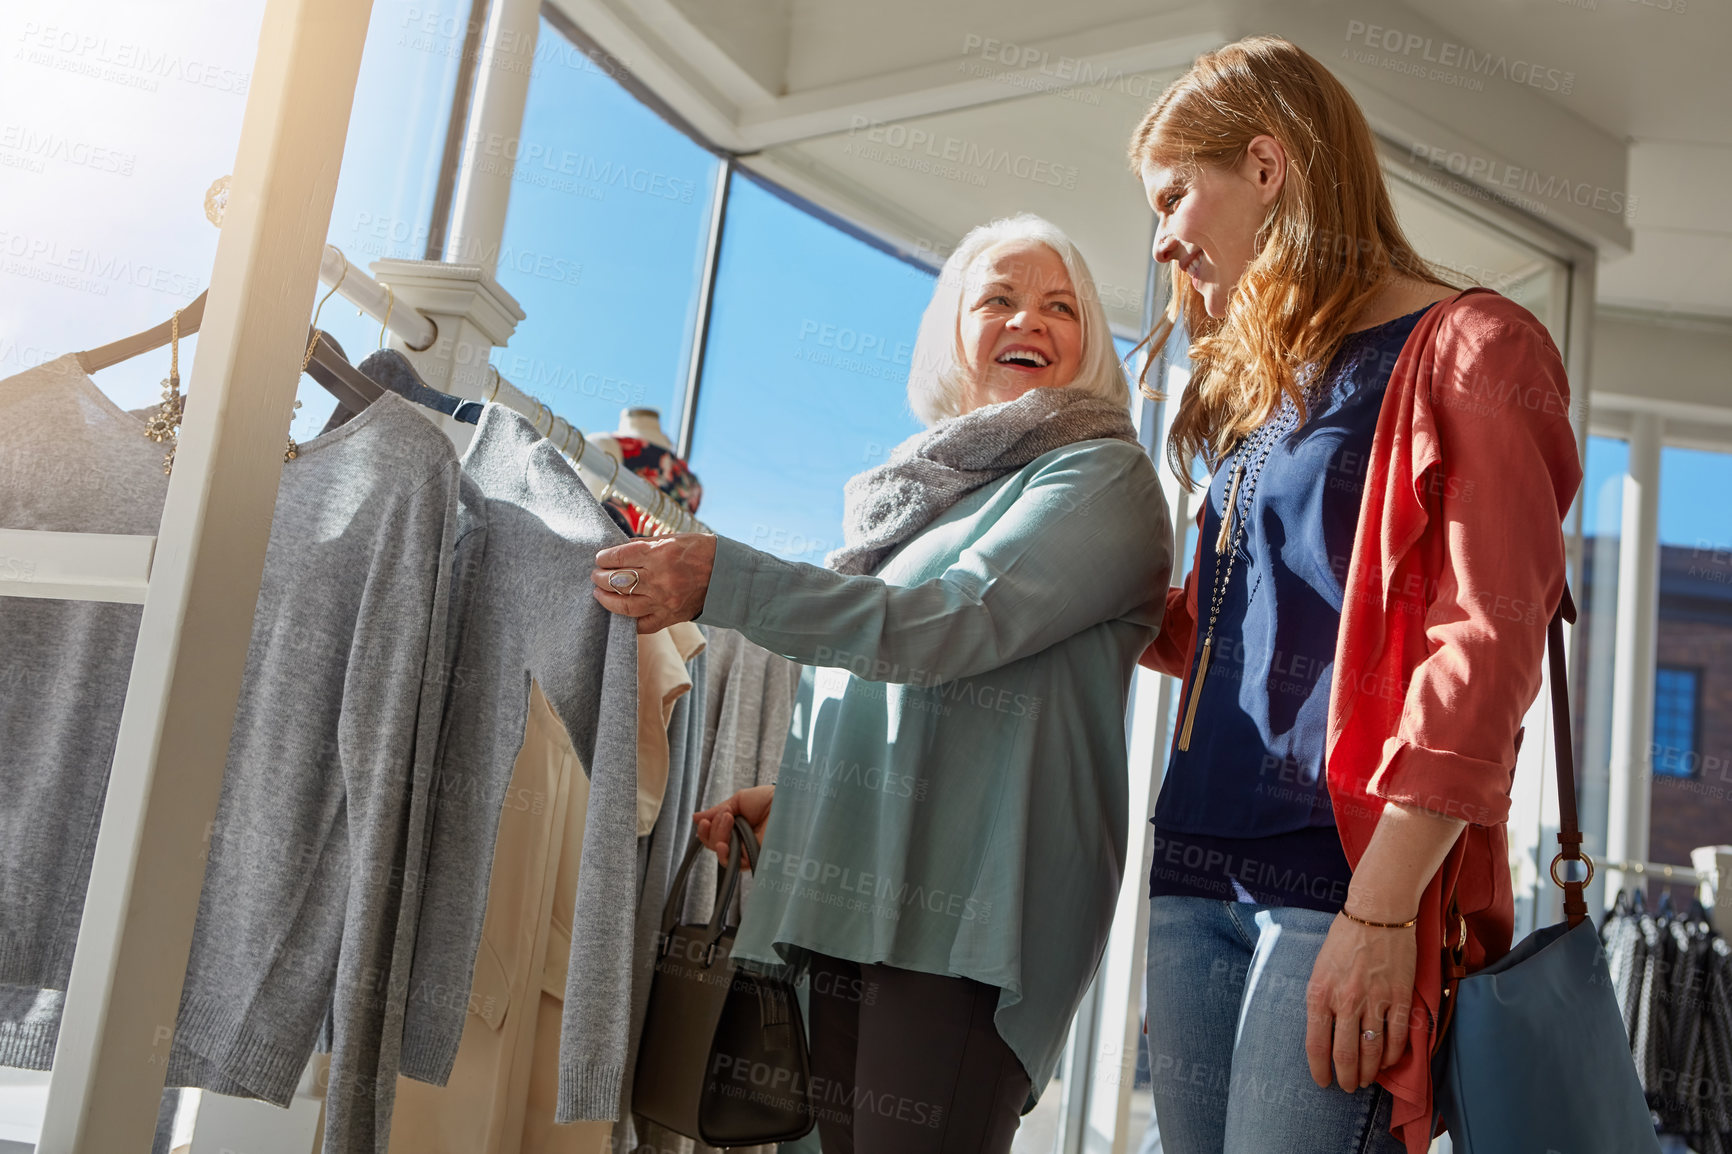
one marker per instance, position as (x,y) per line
(1241,490)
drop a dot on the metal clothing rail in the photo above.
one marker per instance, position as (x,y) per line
(377,300)
(1712,863)
(1667,873)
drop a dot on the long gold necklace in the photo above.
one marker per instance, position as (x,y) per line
(164,424)
(1242,483)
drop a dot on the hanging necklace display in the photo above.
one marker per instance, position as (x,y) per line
(1235,514)
(164,425)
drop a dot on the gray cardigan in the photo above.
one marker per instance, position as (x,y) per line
(338,707)
(533,616)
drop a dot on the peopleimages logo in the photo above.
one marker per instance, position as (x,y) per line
(1448,54)
(964,154)
(1500,175)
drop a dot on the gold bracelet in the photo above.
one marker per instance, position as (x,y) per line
(1407,925)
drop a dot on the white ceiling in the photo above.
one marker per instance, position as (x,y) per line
(916,119)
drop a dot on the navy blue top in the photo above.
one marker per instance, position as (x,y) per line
(1244,814)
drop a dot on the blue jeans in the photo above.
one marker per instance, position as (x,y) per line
(1226,1021)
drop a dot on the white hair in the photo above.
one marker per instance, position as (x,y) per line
(939,372)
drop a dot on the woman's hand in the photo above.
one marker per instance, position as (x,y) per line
(716,824)
(1361,985)
(1363,979)
(659,582)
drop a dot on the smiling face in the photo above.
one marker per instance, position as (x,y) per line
(1207,217)
(1021,323)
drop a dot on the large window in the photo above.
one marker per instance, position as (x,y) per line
(1690,758)
(603,246)
(805,373)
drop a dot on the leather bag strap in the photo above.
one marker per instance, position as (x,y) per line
(742,839)
(1569,826)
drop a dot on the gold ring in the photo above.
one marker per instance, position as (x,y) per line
(620,585)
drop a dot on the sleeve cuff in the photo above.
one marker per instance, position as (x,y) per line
(1447,784)
(727,601)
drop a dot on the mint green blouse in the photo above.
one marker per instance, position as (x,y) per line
(953,797)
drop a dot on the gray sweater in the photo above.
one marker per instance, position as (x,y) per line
(338,708)
(466,564)
(70,461)
(747,714)
(533,616)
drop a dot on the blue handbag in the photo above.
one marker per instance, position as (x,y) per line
(1534,1058)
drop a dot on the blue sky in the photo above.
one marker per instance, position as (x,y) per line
(1694,510)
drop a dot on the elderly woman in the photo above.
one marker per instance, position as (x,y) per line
(946,846)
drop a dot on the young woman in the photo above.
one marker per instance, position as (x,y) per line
(1380,549)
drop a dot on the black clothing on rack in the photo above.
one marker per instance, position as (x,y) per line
(1672,974)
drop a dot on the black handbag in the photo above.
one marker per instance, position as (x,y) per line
(1534,1055)
(723,1052)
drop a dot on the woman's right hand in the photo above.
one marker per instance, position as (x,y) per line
(716,824)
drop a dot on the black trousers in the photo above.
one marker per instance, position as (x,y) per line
(909,1063)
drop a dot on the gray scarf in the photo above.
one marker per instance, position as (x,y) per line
(932,470)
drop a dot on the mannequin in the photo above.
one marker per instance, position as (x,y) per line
(645,424)
(642,446)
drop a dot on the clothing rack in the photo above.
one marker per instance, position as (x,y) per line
(197,578)
(1709,864)
(378,301)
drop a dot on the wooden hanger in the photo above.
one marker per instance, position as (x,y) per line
(330,367)
(94,360)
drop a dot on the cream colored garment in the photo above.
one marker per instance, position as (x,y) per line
(481,1109)
(504,1086)
(541,1135)
(662,679)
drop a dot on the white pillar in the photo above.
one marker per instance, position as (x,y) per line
(473,315)
(1593,699)
(490,144)
(136,933)
(1634,656)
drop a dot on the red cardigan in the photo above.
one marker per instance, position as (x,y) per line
(1457,565)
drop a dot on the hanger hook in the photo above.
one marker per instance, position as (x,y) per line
(607,493)
(390,303)
(565,443)
(341,277)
